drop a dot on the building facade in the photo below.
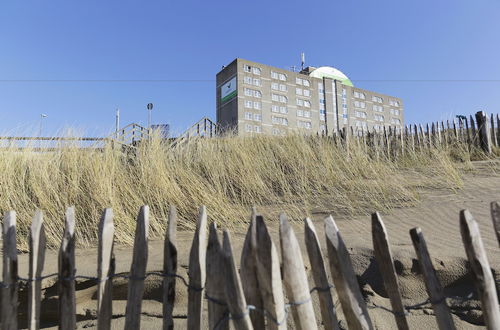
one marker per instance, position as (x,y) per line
(254,98)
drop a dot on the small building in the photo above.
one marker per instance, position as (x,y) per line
(254,98)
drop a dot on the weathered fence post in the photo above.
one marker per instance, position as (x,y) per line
(493,131)
(483,278)
(495,216)
(9,272)
(328,314)
(248,272)
(295,277)
(434,288)
(385,262)
(37,243)
(233,288)
(269,277)
(197,272)
(214,286)
(483,131)
(169,269)
(67,306)
(137,271)
(498,130)
(105,270)
(345,280)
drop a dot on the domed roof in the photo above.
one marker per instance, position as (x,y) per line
(332,73)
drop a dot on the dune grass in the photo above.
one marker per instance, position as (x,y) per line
(294,174)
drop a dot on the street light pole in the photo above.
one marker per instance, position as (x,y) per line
(42,115)
(150,108)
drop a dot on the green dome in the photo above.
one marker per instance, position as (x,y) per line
(332,73)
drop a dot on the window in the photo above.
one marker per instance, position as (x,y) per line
(256,71)
(307,104)
(394,112)
(275,97)
(283,88)
(248,116)
(298,81)
(379,118)
(298,91)
(279,120)
(275,86)
(248,104)
(322,107)
(257,129)
(304,124)
(300,102)
(322,117)
(320,85)
(361,124)
(300,113)
(276,131)
(247,68)
(391,111)
(322,128)
(307,92)
(283,99)
(256,105)
(256,82)
(378,108)
(247,80)
(360,104)
(275,108)
(257,94)
(377,99)
(307,114)
(359,95)
(248,92)
(282,77)
(248,127)
(257,117)
(344,92)
(306,83)
(394,103)
(395,121)
(360,114)
(274,75)
(322,101)
(284,110)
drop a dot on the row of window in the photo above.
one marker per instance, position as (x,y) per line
(303,113)
(379,118)
(253,105)
(378,108)
(303,82)
(279,98)
(253,116)
(279,120)
(252,128)
(360,104)
(360,114)
(304,124)
(252,81)
(279,87)
(394,103)
(394,112)
(252,92)
(303,103)
(276,75)
(395,121)
(300,91)
(252,69)
(377,99)
(359,95)
(278,109)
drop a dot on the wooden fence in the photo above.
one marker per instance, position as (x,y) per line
(254,296)
(482,133)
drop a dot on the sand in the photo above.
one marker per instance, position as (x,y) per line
(437,215)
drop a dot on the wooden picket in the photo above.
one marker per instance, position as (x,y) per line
(238,297)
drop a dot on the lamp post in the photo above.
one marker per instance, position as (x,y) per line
(42,115)
(150,108)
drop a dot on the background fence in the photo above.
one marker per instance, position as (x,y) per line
(254,296)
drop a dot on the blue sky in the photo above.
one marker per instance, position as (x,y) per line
(79,61)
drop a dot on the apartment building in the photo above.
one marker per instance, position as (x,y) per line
(254,98)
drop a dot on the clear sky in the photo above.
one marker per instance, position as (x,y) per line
(77,61)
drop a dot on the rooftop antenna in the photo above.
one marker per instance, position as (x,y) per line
(302,60)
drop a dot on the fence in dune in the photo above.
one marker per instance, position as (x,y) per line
(254,296)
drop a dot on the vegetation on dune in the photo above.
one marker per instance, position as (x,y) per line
(295,174)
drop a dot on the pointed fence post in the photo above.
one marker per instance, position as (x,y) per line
(37,243)
(67,305)
(434,288)
(483,131)
(345,280)
(197,272)
(385,263)
(269,277)
(169,269)
(105,270)
(483,278)
(467,131)
(248,272)
(328,313)
(214,287)
(495,216)
(9,272)
(137,271)
(233,288)
(295,277)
